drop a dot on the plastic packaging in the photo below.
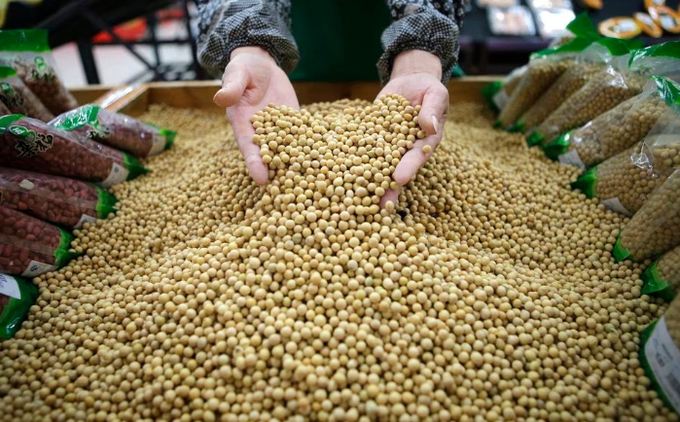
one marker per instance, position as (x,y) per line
(544,69)
(30,247)
(16,298)
(30,144)
(660,355)
(497,93)
(655,228)
(117,130)
(588,63)
(619,82)
(3,109)
(29,54)
(19,99)
(617,129)
(67,202)
(515,20)
(662,278)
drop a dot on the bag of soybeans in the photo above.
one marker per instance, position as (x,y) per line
(662,278)
(655,228)
(496,94)
(30,247)
(587,64)
(660,355)
(18,99)
(623,79)
(16,298)
(29,53)
(116,130)
(3,109)
(624,182)
(619,128)
(29,144)
(544,68)
(67,202)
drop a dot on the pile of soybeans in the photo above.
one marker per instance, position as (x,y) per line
(488,293)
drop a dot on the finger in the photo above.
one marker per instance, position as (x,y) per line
(243,131)
(434,108)
(414,159)
(391,196)
(234,84)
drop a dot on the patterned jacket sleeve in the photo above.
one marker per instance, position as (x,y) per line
(429,25)
(225,25)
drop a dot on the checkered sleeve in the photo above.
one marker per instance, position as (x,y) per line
(224,25)
(429,25)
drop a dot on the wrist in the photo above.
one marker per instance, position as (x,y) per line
(416,61)
(253,50)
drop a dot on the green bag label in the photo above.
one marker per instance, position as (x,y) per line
(668,91)
(518,127)
(535,138)
(587,183)
(63,254)
(655,285)
(558,146)
(584,30)
(660,359)
(7,72)
(134,166)
(620,252)
(489,91)
(29,143)
(670,49)
(18,40)
(16,298)
(106,203)
(10,96)
(75,119)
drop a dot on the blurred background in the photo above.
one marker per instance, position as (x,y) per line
(122,42)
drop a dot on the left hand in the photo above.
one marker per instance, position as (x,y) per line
(416,76)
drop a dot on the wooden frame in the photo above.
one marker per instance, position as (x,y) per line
(135,100)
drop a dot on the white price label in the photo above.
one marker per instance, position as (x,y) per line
(36,268)
(9,286)
(501,99)
(615,205)
(85,219)
(157,144)
(664,360)
(118,175)
(571,158)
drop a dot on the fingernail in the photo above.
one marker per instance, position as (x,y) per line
(435,123)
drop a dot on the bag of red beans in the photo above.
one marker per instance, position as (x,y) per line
(117,130)
(30,247)
(16,298)
(30,144)
(67,202)
(18,99)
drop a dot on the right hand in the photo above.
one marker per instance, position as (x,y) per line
(252,81)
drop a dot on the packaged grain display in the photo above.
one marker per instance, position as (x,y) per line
(116,130)
(496,94)
(655,228)
(3,109)
(622,80)
(66,202)
(28,52)
(660,355)
(18,98)
(619,128)
(30,144)
(587,64)
(662,278)
(16,298)
(30,247)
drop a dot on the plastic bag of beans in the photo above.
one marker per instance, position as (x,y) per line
(590,62)
(30,247)
(662,278)
(496,94)
(117,130)
(30,144)
(3,109)
(660,355)
(655,228)
(16,298)
(18,98)
(29,54)
(66,202)
(622,80)
(617,129)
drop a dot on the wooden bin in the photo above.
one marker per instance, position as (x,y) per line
(135,100)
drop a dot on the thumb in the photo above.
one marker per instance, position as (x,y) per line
(434,108)
(234,84)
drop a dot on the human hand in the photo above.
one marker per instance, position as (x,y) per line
(251,81)
(416,76)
